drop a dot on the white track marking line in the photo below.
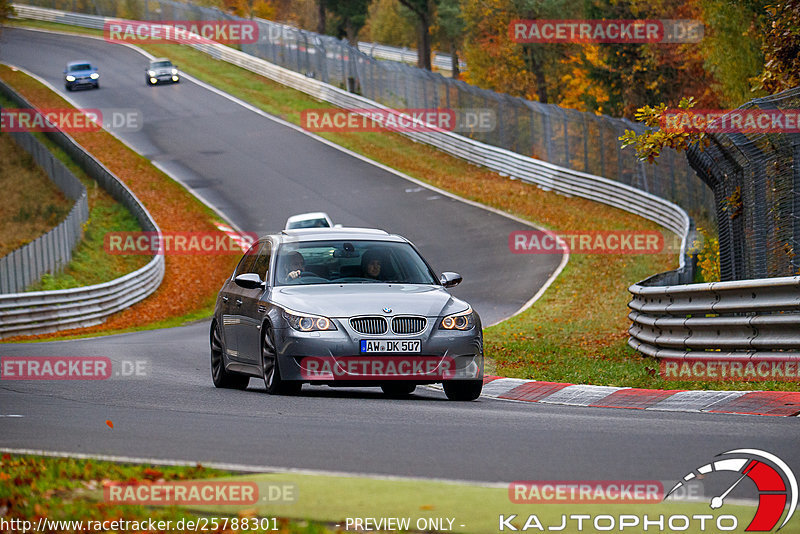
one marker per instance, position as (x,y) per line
(250,107)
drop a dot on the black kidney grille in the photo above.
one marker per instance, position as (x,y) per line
(408,325)
(369,325)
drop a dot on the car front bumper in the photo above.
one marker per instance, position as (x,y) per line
(81,82)
(335,357)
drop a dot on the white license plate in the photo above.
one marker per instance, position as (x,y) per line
(390,345)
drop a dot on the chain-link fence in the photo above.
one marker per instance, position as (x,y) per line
(580,141)
(756,182)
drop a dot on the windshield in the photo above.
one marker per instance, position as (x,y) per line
(160,64)
(308,223)
(81,66)
(350,262)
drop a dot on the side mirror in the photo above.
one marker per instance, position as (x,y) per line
(450,279)
(249,281)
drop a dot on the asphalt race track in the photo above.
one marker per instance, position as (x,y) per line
(259,172)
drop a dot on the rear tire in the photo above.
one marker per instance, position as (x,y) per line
(270,369)
(462,390)
(221,377)
(398,390)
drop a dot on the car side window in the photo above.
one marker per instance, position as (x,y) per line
(261,265)
(248,261)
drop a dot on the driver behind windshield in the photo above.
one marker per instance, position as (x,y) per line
(371,264)
(294,264)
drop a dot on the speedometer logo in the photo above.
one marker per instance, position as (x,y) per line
(775,482)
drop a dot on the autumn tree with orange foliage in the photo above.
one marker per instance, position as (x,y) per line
(264,9)
(496,62)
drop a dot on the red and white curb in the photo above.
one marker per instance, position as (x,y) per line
(775,403)
(236,237)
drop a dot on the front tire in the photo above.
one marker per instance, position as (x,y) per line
(221,377)
(462,390)
(270,369)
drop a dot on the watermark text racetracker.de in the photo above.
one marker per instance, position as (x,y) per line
(385,367)
(178,243)
(181,31)
(70,120)
(722,369)
(731,121)
(606,31)
(399,120)
(71,368)
(586,242)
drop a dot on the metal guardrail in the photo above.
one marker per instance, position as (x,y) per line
(546,175)
(671,318)
(561,136)
(506,162)
(405,55)
(50,252)
(40,312)
(748,319)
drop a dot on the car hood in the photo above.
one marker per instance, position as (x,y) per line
(163,70)
(348,300)
(80,72)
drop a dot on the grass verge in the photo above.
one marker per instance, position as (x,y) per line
(191,281)
(70,489)
(90,264)
(577,332)
(36,205)
(66,489)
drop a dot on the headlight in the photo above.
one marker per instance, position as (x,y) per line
(308,323)
(151,73)
(94,76)
(174,71)
(70,78)
(459,321)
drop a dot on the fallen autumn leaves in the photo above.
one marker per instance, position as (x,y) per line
(190,281)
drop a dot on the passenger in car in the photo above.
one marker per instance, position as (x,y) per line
(371,265)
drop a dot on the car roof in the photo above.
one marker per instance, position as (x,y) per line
(85,61)
(156,59)
(325,234)
(307,216)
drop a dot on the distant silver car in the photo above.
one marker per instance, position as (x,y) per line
(316,219)
(161,70)
(344,307)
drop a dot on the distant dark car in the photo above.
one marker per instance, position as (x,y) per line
(161,70)
(344,307)
(81,74)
